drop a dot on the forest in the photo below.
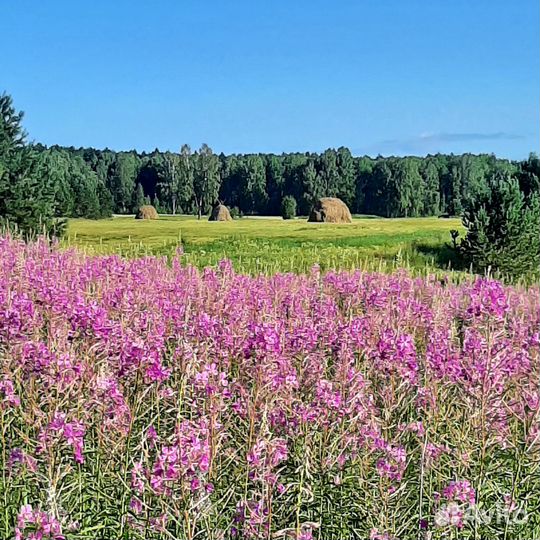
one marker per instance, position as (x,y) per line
(96,183)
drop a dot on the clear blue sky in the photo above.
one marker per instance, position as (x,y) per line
(378,76)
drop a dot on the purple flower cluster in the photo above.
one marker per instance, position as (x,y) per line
(184,403)
(37,525)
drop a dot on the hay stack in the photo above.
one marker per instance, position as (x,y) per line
(147,211)
(220,213)
(330,210)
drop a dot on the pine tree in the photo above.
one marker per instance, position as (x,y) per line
(27,197)
(12,135)
(503,229)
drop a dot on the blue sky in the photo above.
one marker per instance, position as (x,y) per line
(378,76)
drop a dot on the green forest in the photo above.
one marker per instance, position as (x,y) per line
(95,183)
(92,183)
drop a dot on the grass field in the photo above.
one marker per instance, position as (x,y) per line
(269,245)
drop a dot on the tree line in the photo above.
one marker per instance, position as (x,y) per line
(95,183)
(92,183)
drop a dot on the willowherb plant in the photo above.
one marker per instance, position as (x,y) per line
(142,399)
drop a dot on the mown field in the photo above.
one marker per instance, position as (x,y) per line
(268,245)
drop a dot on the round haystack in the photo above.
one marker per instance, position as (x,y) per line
(220,213)
(147,211)
(330,210)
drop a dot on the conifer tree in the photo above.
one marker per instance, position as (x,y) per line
(27,199)
(503,229)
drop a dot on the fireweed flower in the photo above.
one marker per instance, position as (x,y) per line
(18,458)
(215,400)
(434,452)
(451,514)
(393,465)
(138,477)
(267,455)
(397,354)
(135,505)
(37,525)
(60,430)
(8,397)
(151,434)
(461,491)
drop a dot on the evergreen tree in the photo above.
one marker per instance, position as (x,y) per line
(503,229)
(27,198)
(364,170)
(293,173)
(288,207)
(529,175)
(12,135)
(231,181)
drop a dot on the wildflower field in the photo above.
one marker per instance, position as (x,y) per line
(145,398)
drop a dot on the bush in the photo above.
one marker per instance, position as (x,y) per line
(288,207)
(235,212)
(503,226)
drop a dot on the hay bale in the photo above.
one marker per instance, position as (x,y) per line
(147,211)
(220,213)
(330,210)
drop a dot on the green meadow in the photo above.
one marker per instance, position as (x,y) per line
(267,245)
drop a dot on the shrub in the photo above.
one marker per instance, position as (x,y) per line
(235,212)
(288,207)
(503,229)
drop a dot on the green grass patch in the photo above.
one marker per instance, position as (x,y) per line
(267,245)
